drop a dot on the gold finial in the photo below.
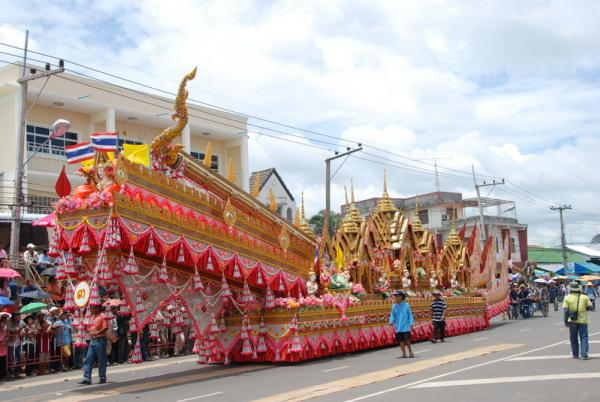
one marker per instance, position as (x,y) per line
(231,174)
(416,221)
(303,223)
(297,218)
(385,191)
(272,201)
(352,190)
(255,186)
(302,208)
(385,204)
(346,194)
(207,161)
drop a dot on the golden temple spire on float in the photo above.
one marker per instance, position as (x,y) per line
(303,223)
(231,171)
(385,204)
(297,218)
(272,201)
(255,190)
(207,161)
(352,218)
(416,223)
(453,237)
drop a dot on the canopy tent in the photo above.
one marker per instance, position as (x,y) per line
(582,268)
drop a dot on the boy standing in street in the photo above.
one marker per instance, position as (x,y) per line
(401,318)
(438,317)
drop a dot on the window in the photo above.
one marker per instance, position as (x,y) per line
(214,159)
(37,135)
(130,142)
(513,248)
(424,216)
(39,204)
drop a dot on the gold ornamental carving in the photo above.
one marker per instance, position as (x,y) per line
(229,214)
(284,239)
(120,175)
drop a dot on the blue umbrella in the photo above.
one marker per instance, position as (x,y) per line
(35,294)
(5,301)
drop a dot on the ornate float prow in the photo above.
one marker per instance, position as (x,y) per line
(163,152)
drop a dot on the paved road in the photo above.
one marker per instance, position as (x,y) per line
(514,360)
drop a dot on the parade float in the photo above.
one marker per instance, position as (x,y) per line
(187,248)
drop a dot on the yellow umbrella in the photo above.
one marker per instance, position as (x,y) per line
(590,278)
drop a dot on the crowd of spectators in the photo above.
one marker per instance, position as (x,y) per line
(54,340)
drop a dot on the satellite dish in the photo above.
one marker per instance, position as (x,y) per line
(59,128)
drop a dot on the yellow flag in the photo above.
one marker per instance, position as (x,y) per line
(339,261)
(137,153)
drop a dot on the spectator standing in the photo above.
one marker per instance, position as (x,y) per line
(62,331)
(123,339)
(590,292)
(401,318)
(438,317)
(44,261)
(14,343)
(14,289)
(3,255)
(576,306)
(3,345)
(29,334)
(44,331)
(525,301)
(54,290)
(514,302)
(96,349)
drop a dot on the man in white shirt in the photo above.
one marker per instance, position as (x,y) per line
(31,256)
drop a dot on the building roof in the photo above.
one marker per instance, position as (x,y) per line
(264,177)
(552,255)
(591,251)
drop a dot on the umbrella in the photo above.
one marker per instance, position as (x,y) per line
(590,278)
(45,221)
(33,308)
(8,273)
(35,294)
(50,271)
(5,301)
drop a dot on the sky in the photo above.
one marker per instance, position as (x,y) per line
(511,88)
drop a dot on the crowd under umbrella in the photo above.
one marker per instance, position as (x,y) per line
(35,294)
(33,308)
(9,273)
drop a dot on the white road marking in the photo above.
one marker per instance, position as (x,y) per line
(549,357)
(593,341)
(385,391)
(201,396)
(335,369)
(499,380)
(481,339)
(558,323)
(525,330)
(423,351)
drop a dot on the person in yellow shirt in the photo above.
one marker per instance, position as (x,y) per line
(576,305)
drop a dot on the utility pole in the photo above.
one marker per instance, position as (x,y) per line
(326,217)
(563,239)
(15,230)
(484,229)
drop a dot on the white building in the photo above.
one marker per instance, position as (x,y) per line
(271,181)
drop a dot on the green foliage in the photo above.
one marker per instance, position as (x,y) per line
(316,221)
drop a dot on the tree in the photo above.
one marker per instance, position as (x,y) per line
(596,239)
(316,221)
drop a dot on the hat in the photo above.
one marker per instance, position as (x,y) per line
(399,293)
(31,245)
(53,309)
(436,293)
(589,284)
(4,314)
(574,287)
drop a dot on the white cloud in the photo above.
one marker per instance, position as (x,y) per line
(511,87)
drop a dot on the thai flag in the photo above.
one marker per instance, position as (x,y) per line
(105,141)
(79,152)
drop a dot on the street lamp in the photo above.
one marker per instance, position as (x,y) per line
(59,129)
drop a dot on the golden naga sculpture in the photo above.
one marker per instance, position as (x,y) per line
(161,148)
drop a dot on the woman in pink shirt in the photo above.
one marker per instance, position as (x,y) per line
(3,345)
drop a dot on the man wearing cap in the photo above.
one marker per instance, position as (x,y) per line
(97,348)
(31,256)
(438,317)
(401,318)
(576,306)
(590,291)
